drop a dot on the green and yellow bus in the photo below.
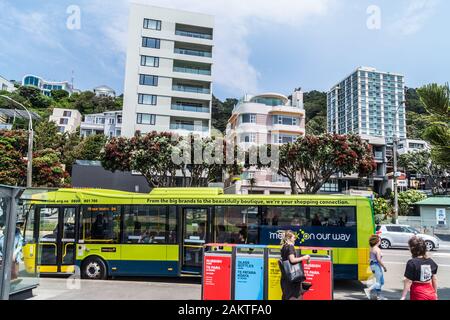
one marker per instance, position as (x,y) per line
(107,233)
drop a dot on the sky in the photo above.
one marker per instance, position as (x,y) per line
(260,45)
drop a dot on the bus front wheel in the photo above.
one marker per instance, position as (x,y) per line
(94,269)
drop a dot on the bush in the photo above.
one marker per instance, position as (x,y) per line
(407,199)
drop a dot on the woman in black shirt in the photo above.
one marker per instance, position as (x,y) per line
(291,291)
(420,273)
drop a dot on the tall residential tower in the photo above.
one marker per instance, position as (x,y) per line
(368,102)
(168,81)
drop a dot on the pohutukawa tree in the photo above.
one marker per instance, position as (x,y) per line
(311,161)
(150,154)
(159,156)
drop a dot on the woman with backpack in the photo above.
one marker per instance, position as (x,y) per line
(420,273)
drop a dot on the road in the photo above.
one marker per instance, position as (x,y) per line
(395,261)
(190,288)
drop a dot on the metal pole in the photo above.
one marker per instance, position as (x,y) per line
(30,159)
(8,244)
(30,143)
(395,181)
(395,165)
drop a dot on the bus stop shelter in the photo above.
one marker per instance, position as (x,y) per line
(14,282)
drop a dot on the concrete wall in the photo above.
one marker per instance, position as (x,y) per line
(97,177)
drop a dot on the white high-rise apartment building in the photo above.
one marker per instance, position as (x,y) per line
(168,82)
(368,102)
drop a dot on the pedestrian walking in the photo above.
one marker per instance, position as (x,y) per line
(292,290)
(377,267)
(420,273)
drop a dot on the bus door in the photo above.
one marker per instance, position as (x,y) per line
(196,231)
(57,238)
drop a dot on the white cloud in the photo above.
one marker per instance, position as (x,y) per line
(235,21)
(416,16)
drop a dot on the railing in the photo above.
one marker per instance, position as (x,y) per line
(183,107)
(193,34)
(192,70)
(193,52)
(191,89)
(188,127)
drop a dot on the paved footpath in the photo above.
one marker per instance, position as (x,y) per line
(190,288)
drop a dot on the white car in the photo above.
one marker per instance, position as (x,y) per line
(397,236)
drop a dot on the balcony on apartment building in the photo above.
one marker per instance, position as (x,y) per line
(191,49)
(191,86)
(189,125)
(192,67)
(193,31)
(190,105)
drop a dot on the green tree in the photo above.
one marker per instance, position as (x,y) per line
(382,209)
(315,104)
(221,113)
(407,198)
(311,161)
(59,95)
(34,97)
(317,125)
(420,162)
(149,154)
(436,99)
(48,170)
(90,148)
(13,166)
(47,136)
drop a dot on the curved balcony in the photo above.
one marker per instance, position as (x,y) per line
(288,111)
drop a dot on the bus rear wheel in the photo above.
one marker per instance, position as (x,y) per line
(94,269)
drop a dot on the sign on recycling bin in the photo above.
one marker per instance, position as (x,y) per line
(319,273)
(249,278)
(217,277)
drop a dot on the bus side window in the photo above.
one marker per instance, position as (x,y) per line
(149,225)
(100,223)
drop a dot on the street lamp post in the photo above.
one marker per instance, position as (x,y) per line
(396,138)
(30,143)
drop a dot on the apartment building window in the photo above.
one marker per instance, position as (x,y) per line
(249,138)
(119,119)
(289,121)
(148,99)
(63,121)
(145,118)
(100,120)
(67,114)
(151,43)
(416,146)
(152,24)
(148,80)
(148,61)
(248,118)
(283,138)
(61,129)
(111,121)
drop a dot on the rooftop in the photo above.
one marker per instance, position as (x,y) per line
(435,201)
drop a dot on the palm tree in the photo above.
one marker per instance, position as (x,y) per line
(436,99)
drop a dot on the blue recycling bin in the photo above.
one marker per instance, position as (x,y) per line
(249,272)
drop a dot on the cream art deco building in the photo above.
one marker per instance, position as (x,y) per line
(268,118)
